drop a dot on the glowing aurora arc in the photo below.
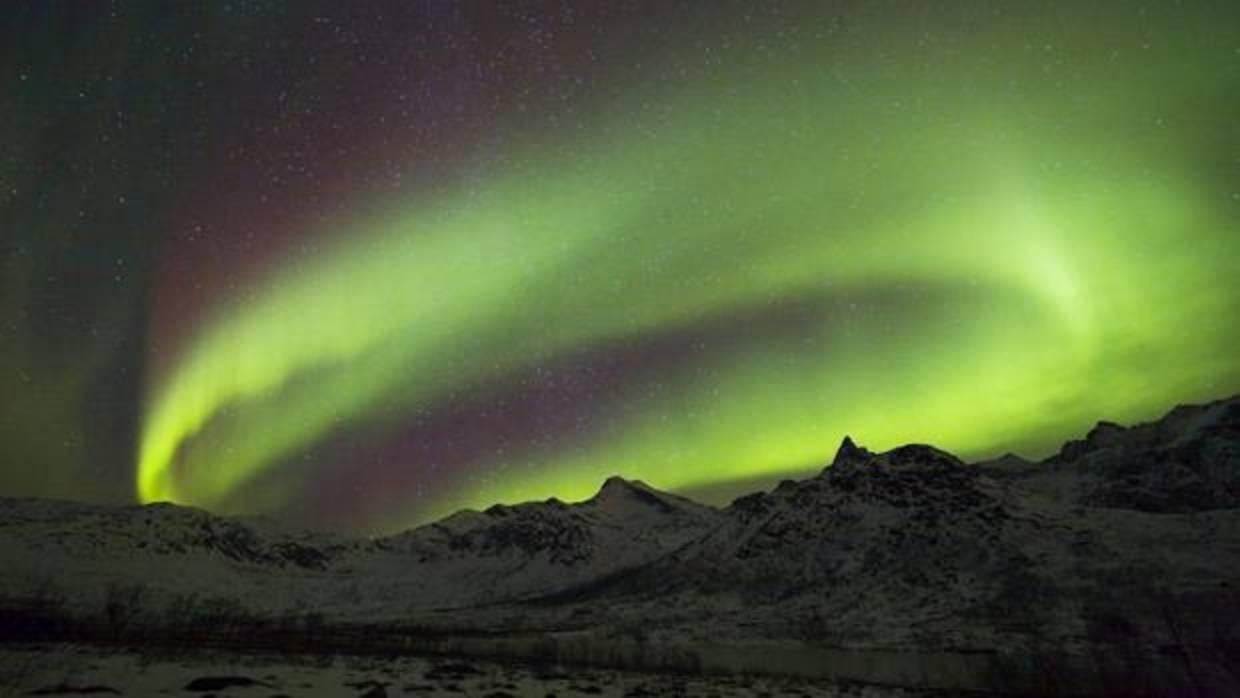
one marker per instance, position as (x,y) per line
(1026,258)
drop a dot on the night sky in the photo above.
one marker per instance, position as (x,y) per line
(361,264)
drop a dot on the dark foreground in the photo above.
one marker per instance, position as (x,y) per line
(67,669)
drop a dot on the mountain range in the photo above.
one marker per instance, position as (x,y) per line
(1114,561)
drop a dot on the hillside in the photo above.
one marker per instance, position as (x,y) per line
(1119,552)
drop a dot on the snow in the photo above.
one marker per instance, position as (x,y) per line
(908,558)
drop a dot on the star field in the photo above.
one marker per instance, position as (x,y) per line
(364,266)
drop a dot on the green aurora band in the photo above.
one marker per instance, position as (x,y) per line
(983,242)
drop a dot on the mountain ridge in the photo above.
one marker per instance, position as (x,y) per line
(904,550)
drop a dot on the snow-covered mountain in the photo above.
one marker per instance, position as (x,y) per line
(625,518)
(509,553)
(163,529)
(82,553)
(1128,538)
(1188,461)
(471,558)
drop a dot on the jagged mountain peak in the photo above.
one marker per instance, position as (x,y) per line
(615,483)
(916,476)
(537,548)
(617,487)
(915,456)
(849,451)
(1188,460)
(1182,424)
(620,495)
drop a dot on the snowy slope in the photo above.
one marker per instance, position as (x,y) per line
(504,553)
(913,548)
(1111,537)
(514,552)
(81,550)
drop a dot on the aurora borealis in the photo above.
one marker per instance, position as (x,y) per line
(405,260)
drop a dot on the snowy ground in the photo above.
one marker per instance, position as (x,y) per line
(80,670)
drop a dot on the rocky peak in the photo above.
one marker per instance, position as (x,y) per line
(849,452)
(1189,460)
(616,491)
(1103,435)
(615,485)
(904,457)
(913,478)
